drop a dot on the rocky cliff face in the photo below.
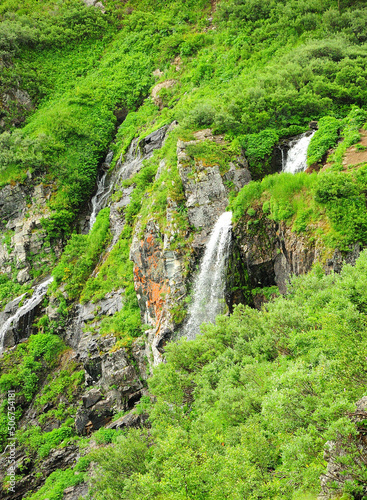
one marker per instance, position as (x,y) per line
(271,252)
(206,189)
(26,249)
(160,275)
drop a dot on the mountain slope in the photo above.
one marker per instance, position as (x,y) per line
(127,129)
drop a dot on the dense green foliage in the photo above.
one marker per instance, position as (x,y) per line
(330,206)
(24,370)
(245,410)
(324,139)
(81,255)
(268,68)
(9,288)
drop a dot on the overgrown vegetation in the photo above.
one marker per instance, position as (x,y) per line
(81,255)
(266,69)
(245,410)
(24,370)
(330,206)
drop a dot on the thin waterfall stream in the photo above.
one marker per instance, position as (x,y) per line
(106,184)
(209,288)
(98,202)
(100,199)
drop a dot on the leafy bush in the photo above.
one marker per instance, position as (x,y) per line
(21,152)
(34,439)
(201,116)
(258,149)
(324,139)
(57,482)
(332,186)
(24,369)
(351,134)
(280,191)
(10,289)
(81,255)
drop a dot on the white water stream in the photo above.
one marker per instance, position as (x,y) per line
(100,199)
(209,287)
(98,202)
(296,158)
(28,306)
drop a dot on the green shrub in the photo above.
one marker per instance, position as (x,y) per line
(324,139)
(252,401)
(351,134)
(81,255)
(201,116)
(10,289)
(24,369)
(332,186)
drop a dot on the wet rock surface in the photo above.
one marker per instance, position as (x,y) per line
(272,252)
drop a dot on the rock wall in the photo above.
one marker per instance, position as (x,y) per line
(262,254)
(272,252)
(161,282)
(206,189)
(26,247)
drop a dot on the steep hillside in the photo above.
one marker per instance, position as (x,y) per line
(127,129)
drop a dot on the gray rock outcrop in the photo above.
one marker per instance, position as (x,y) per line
(272,252)
(206,188)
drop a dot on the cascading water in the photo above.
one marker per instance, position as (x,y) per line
(209,288)
(26,311)
(133,161)
(100,199)
(296,158)
(27,308)
(22,319)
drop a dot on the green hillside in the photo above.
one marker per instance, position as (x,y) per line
(247,409)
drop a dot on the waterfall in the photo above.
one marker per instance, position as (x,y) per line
(100,199)
(209,287)
(283,158)
(296,157)
(138,151)
(26,309)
